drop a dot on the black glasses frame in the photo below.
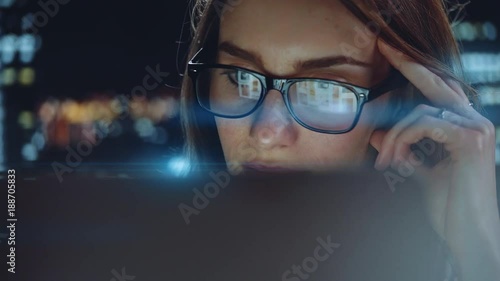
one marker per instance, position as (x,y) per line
(363,95)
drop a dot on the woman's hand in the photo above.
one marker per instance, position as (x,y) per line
(461,189)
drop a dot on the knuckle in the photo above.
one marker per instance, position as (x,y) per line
(489,128)
(462,136)
(486,127)
(424,120)
(455,119)
(422,108)
(437,81)
(477,141)
(459,108)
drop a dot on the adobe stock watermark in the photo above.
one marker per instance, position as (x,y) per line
(121,276)
(310,264)
(49,9)
(220,181)
(364,36)
(74,156)
(426,148)
(201,198)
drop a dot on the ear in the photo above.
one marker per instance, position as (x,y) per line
(377,138)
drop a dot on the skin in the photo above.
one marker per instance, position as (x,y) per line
(270,136)
(460,191)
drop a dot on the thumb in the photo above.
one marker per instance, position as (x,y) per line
(377,138)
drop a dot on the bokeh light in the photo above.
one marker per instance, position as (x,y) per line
(179,166)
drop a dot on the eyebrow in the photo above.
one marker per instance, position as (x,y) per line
(325,62)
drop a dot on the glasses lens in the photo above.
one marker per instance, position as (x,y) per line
(323,105)
(228,92)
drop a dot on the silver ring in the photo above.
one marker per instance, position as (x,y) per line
(441,113)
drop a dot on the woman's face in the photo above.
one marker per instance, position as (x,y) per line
(275,38)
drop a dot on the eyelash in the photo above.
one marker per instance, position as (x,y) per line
(230,75)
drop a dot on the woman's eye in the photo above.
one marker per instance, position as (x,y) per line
(232,76)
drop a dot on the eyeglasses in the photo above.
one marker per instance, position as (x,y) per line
(320,105)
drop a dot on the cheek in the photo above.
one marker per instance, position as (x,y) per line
(232,133)
(340,150)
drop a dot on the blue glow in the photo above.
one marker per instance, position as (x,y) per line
(179,166)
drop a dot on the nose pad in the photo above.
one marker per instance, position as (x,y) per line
(273,124)
(278,84)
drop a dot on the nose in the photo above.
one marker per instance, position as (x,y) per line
(273,126)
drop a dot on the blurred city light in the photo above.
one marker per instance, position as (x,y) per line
(489,95)
(29,152)
(490,31)
(468,31)
(27,46)
(63,121)
(482,67)
(8,76)
(38,140)
(8,47)
(26,120)
(144,127)
(26,76)
(6,3)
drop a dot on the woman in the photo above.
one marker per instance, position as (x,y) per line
(313,85)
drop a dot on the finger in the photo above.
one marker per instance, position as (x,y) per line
(463,109)
(377,138)
(480,122)
(433,87)
(401,154)
(438,130)
(455,86)
(461,121)
(477,123)
(391,149)
(388,144)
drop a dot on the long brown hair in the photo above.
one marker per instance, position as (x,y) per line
(419,28)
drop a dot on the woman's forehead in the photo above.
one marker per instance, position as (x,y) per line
(283,31)
(286,14)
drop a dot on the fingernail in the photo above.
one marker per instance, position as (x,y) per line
(378,163)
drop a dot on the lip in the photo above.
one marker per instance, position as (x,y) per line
(266,168)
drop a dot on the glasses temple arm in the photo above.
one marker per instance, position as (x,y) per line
(396,80)
(196,57)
